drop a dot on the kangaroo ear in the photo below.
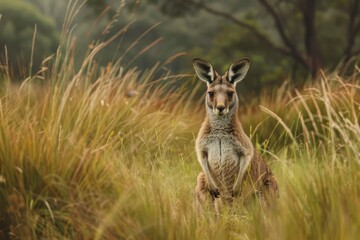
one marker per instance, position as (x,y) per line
(238,70)
(204,70)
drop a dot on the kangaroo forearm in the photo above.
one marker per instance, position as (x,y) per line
(243,164)
(206,169)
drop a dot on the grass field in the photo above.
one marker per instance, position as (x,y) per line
(104,153)
(109,155)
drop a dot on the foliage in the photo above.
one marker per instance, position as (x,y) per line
(293,29)
(20,23)
(264,73)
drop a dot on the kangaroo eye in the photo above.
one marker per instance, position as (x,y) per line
(230,94)
(211,94)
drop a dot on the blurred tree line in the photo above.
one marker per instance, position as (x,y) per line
(285,39)
(296,37)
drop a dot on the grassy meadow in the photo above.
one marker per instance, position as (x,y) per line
(108,153)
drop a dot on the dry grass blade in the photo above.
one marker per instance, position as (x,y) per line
(281,122)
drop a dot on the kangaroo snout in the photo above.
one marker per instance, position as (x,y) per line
(220,109)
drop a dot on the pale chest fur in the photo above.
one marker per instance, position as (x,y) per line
(224,153)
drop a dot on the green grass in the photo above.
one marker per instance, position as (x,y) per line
(104,153)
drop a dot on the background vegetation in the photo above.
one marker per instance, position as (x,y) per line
(97,140)
(285,39)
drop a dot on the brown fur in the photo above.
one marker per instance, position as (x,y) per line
(248,173)
(259,178)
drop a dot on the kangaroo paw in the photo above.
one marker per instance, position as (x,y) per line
(214,193)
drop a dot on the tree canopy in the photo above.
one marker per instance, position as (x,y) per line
(314,34)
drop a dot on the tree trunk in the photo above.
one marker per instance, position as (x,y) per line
(352,31)
(307,8)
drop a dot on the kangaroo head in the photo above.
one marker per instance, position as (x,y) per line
(221,95)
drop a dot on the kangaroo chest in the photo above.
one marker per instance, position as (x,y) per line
(224,153)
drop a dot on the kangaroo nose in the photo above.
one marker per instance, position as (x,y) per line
(220,108)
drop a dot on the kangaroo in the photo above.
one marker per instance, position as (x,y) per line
(224,151)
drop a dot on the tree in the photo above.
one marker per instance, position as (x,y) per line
(304,45)
(17,29)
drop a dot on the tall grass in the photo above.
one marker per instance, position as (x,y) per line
(108,153)
(78,147)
